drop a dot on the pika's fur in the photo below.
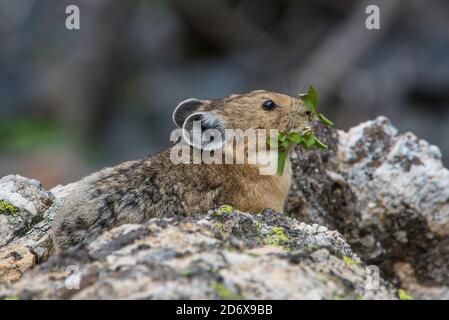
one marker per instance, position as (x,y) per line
(136,191)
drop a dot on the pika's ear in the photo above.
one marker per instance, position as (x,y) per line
(204,130)
(185,109)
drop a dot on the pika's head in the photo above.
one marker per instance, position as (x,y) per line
(254,110)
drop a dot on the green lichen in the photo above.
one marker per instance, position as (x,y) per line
(6,207)
(222,209)
(403,295)
(221,228)
(225,293)
(13,216)
(277,236)
(349,261)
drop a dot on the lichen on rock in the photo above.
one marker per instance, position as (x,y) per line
(7,208)
(25,219)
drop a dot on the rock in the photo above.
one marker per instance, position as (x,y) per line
(14,260)
(25,219)
(27,201)
(224,254)
(388,194)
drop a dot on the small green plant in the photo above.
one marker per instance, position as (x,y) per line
(288,140)
(310,100)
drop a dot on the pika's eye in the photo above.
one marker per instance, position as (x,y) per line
(308,113)
(268,105)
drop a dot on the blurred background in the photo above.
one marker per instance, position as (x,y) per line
(75,101)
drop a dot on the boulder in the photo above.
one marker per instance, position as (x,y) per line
(387,192)
(25,220)
(23,203)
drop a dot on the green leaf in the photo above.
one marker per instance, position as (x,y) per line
(306,145)
(295,137)
(310,139)
(282,136)
(313,97)
(282,155)
(320,144)
(287,140)
(324,120)
(308,103)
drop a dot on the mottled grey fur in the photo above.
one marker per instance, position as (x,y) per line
(131,192)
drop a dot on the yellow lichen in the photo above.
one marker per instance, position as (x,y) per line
(349,261)
(277,236)
(223,209)
(225,293)
(6,207)
(403,295)
(221,228)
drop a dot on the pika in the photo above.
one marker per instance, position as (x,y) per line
(135,191)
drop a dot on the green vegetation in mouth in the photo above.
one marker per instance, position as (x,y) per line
(307,139)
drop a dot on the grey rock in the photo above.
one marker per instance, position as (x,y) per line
(31,200)
(388,194)
(224,254)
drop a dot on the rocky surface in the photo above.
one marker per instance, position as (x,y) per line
(388,194)
(222,255)
(375,198)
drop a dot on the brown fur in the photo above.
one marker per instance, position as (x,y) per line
(136,191)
